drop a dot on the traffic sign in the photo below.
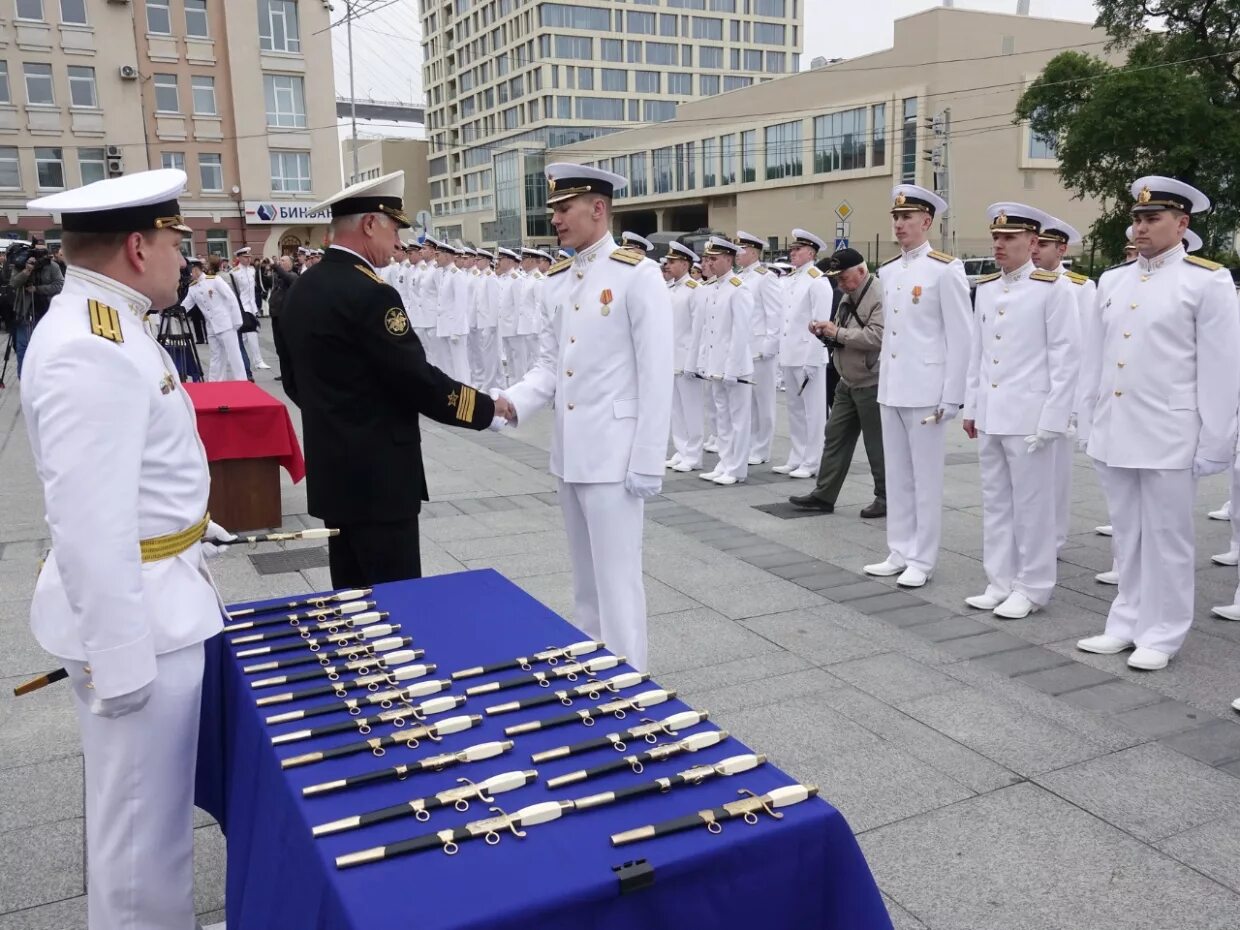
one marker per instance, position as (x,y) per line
(841,244)
(844,210)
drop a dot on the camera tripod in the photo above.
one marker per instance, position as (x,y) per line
(177,338)
(10,342)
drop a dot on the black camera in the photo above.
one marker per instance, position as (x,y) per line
(19,253)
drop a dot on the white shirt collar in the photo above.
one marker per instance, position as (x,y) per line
(351,252)
(83,279)
(1022,272)
(1174,253)
(923,249)
(592,252)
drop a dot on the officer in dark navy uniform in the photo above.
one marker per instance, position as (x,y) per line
(360,376)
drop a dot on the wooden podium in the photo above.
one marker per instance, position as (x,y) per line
(245,494)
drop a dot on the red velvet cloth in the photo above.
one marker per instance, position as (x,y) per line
(239,420)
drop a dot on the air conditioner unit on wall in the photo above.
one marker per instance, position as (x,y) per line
(114,151)
(128,73)
(116,166)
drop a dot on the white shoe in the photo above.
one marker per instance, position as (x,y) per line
(801,473)
(1235,705)
(711,445)
(1104,530)
(781,469)
(1230,557)
(1223,513)
(912,578)
(726,480)
(1148,660)
(883,569)
(986,601)
(1103,645)
(1227,611)
(673,461)
(709,475)
(1016,607)
(683,466)
(756,460)
(1107,577)
(263,365)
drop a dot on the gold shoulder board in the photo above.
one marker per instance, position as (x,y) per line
(370,274)
(761,269)
(814,273)
(1076,277)
(985,279)
(105,321)
(1199,262)
(735,281)
(942,257)
(1044,276)
(691,283)
(628,256)
(561,265)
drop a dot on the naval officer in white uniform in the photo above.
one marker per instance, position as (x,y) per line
(1018,404)
(605,359)
(689,388)
(926,340)
(1159,412)
(124,599)
(768,322)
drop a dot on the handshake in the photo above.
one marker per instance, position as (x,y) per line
(505,412)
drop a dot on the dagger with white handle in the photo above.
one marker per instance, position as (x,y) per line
(390,661)
(526,663)
(327,623)
(299,617)
(591,689)
(476,753)
(341,688)
(317,601)
(618,708)
(397,716)
(543,679)
(378,745)
(371,651)
(649,731)
(694,742)
(354,706)
(748,808)
(733,765)
(314,644)
(318,532)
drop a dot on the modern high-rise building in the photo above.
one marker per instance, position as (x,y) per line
(507,79)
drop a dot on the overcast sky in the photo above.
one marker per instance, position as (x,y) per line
(387,50)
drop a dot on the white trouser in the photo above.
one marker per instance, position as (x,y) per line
(484,361)
(913,457)
(456,357)
(1152,515)
(762,415)
(226,361)
(604,527)
(687,418)
(1018,517)
(732,415)
(253,349)
(430,345)
(807,417)
(531,351)
(1235,519)
(1064,451)
(514,351)
(140,799)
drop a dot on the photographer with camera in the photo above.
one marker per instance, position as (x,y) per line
(35,279)
(855,338)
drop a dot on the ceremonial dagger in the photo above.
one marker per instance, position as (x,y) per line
(704,378)
(378,744)
(549,656)
(317,601)
(336,618)
(357,651)
(353,706)
(591,689)
(748,808)
(691,743)
(544,679)
(420,809)
(733,765)
(476,753)
(320,532)
(489,829)
(649,731)
(295,619)
(333,672)
(314,645)
(397,715)
(618,708)
(341,688)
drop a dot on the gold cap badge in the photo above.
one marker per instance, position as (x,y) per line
(1001,219)
(1144,196)
(900,199)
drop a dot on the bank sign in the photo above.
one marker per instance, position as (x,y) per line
(275,212)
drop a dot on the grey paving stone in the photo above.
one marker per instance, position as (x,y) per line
(1019,662)
(855,591)
(41,793)
(1111,697)
(828,578)
(1022,859)
(1129,790)
(900,918)
(756,600)
(1231,768)
(692,518)
(41,864)
(804,569)
(881,604)
(950,628)
(893,678)
(760,546)
(732,540)
(1162,719)
(914,616)
(786,511)
(700,637)
(1071,676)
(1215,743)
(210,860)
(777,560)
(69,914)
(983,644)
(749,688)
(813,634)
(1212,848)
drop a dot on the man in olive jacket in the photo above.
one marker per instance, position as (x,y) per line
(855,339)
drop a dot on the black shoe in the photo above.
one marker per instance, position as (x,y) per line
(809,502)
(279,378)
(876,509)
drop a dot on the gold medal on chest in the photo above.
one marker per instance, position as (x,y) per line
(916,293)
(605,299)
(167,384)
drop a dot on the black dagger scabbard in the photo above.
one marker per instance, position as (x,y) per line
(324,658)
(619,709)
(329,623)
(378,745)
(315,643)
(354,706)
(397,716)
(570,672)
(314,602)
(436,763)
(358,666)
(694,742)
(591,689)
(341,688)
(526,663)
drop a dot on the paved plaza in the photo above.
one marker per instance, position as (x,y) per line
(997,779)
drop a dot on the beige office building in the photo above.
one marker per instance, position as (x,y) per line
(241,99)
(506,79)
(822,149)
(377,157)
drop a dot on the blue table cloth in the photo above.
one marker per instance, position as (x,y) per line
(804,871)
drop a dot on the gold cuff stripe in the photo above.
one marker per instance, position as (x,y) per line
(173,544)
(465,404)
(105,321)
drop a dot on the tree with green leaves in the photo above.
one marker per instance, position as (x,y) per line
(1172,108)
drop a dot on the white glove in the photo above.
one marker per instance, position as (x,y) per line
(1082,445)
(1071,426)
(122,704)
(642,486)
(215,532)
(1040,439)
(497,424)
(1203,468)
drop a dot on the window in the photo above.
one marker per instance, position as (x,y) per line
(1043,147)
(667,24)
(647,82)
(82,87)
(585,79)
(735,82)
(564,107)
(611,50)
(768,33)
(166,98)
(775,62)
(637,175)
(749,155)
(660,53)
(734,59)
(92,165)
(73,12)
(710,56)
(635,110)
(680,84)
(38,84)
(686,167)
(290,172)
(217,243)
(727,159)
(839,141)
(879,134)
(772,8)
(615,79)
(708,84)
(196,19)
(204,95)
(908,154)
(600,108)
(664,169)
(640,24)
(575,47)
(753,59)
(6,93)
(10,171)
(50,167)
(286,102)
(708,27)
(172,160)
(686,56)
(574,17)
(709,165)
(687,4)
(635,53)
(30,9)
(783,150)
(277,26)
(210,171)
(158,18)
(658,111)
